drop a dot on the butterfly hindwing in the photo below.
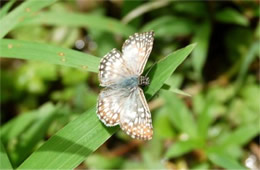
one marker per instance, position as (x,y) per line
(109,106)
(136,50)
(135,117)
(112,68)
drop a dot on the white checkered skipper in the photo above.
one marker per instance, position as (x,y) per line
(122,101)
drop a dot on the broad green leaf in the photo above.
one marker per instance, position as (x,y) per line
(224,161)
(232,16)
(4,160)
(19,14)
(199,55)
(74,19)
(6,8)
(43,52)
(181,147)
(72,144)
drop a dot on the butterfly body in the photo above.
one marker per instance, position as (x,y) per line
(122,101)
(128,82)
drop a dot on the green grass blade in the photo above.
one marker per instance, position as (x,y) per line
(199,55)
(232,16)
(204,120)
(253,52)
(16,126)
(25,10)
(181,147)
(179,115)
(242,135)
(81,20)
(72,144)
(6,8)
(162,70)
(172,26)
(170,88)
(224,161)
(4,160)
(48,53)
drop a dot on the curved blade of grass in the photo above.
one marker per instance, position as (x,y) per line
(48,53)
(199,55)
(6,8)
(168,87)
(179,148)
(181,117)
(81,20)
(224,161)
(162,70)
(143,9)
(232,16)
(247,131)
(172,26)
(72,144)
(4,160)
(22,12)
(248,59)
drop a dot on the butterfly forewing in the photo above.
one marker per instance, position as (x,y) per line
(112,68)
(137,49)
(135,117)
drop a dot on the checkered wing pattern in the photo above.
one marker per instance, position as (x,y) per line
(135,117)
(137,49)
(112,68)
(110,102)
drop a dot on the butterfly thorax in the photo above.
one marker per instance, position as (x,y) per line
(143,81)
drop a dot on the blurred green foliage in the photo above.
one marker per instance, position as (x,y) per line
(217,127)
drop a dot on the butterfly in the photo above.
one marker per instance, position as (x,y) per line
(122,101)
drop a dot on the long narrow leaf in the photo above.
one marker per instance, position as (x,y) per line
(4,160)
(72,144)
(48,53)
(80,20)
(5,9)
(199,55)
(27,9)
(224,161)
(180,148)
(165,67)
